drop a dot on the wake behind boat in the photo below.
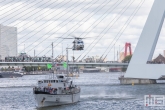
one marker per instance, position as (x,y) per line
(57,91)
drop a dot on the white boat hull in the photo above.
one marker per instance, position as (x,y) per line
(44,100)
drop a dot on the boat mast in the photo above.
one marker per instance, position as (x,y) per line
(52,61)
(67,59)
(52,51)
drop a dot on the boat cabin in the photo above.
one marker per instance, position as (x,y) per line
(58,81)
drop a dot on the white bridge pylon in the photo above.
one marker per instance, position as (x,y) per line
(138,67)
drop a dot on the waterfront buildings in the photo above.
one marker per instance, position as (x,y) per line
(159,59)
(121,57)
(8,41)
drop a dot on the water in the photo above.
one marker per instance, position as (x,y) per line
(99,91)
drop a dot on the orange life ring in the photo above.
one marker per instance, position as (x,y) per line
(49,84)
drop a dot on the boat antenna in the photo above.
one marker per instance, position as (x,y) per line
(67,60)
(53,67)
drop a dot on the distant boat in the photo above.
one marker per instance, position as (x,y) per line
(19,72)
(91,70)
(10,75)
(37,73)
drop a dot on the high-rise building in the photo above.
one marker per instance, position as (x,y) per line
(8,41)
(121,57)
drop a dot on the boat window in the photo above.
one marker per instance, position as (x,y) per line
(49,81)
(40,82)
(56,81)
(52,81)
(61,76)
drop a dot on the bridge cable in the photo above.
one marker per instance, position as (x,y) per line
(4,4)
(102,32)
(100,18)
(108,28)
(58,29)
(19,22)
(62,35)
(54,17)
(21,10)
(120,30)
(41,19)
(53,33)
(129,20)
(67,32)
(23,15)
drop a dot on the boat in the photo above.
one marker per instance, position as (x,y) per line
(19,72)
(10,75)
(91,70)
(57,90)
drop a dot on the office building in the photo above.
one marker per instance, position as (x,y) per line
(8,41)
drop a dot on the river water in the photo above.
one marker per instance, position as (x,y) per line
(99,91)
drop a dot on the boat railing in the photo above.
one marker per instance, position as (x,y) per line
(71,90)
(45,90)
(75,90)
(49,90)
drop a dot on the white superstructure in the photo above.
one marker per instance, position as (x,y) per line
(8,41)
(57,91)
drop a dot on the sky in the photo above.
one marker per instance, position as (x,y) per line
(108,24)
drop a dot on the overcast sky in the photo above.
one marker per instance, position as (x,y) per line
(105,21)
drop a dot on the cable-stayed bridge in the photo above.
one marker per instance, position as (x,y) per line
(50,20)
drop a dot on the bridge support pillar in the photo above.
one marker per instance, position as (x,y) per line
(129,81)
